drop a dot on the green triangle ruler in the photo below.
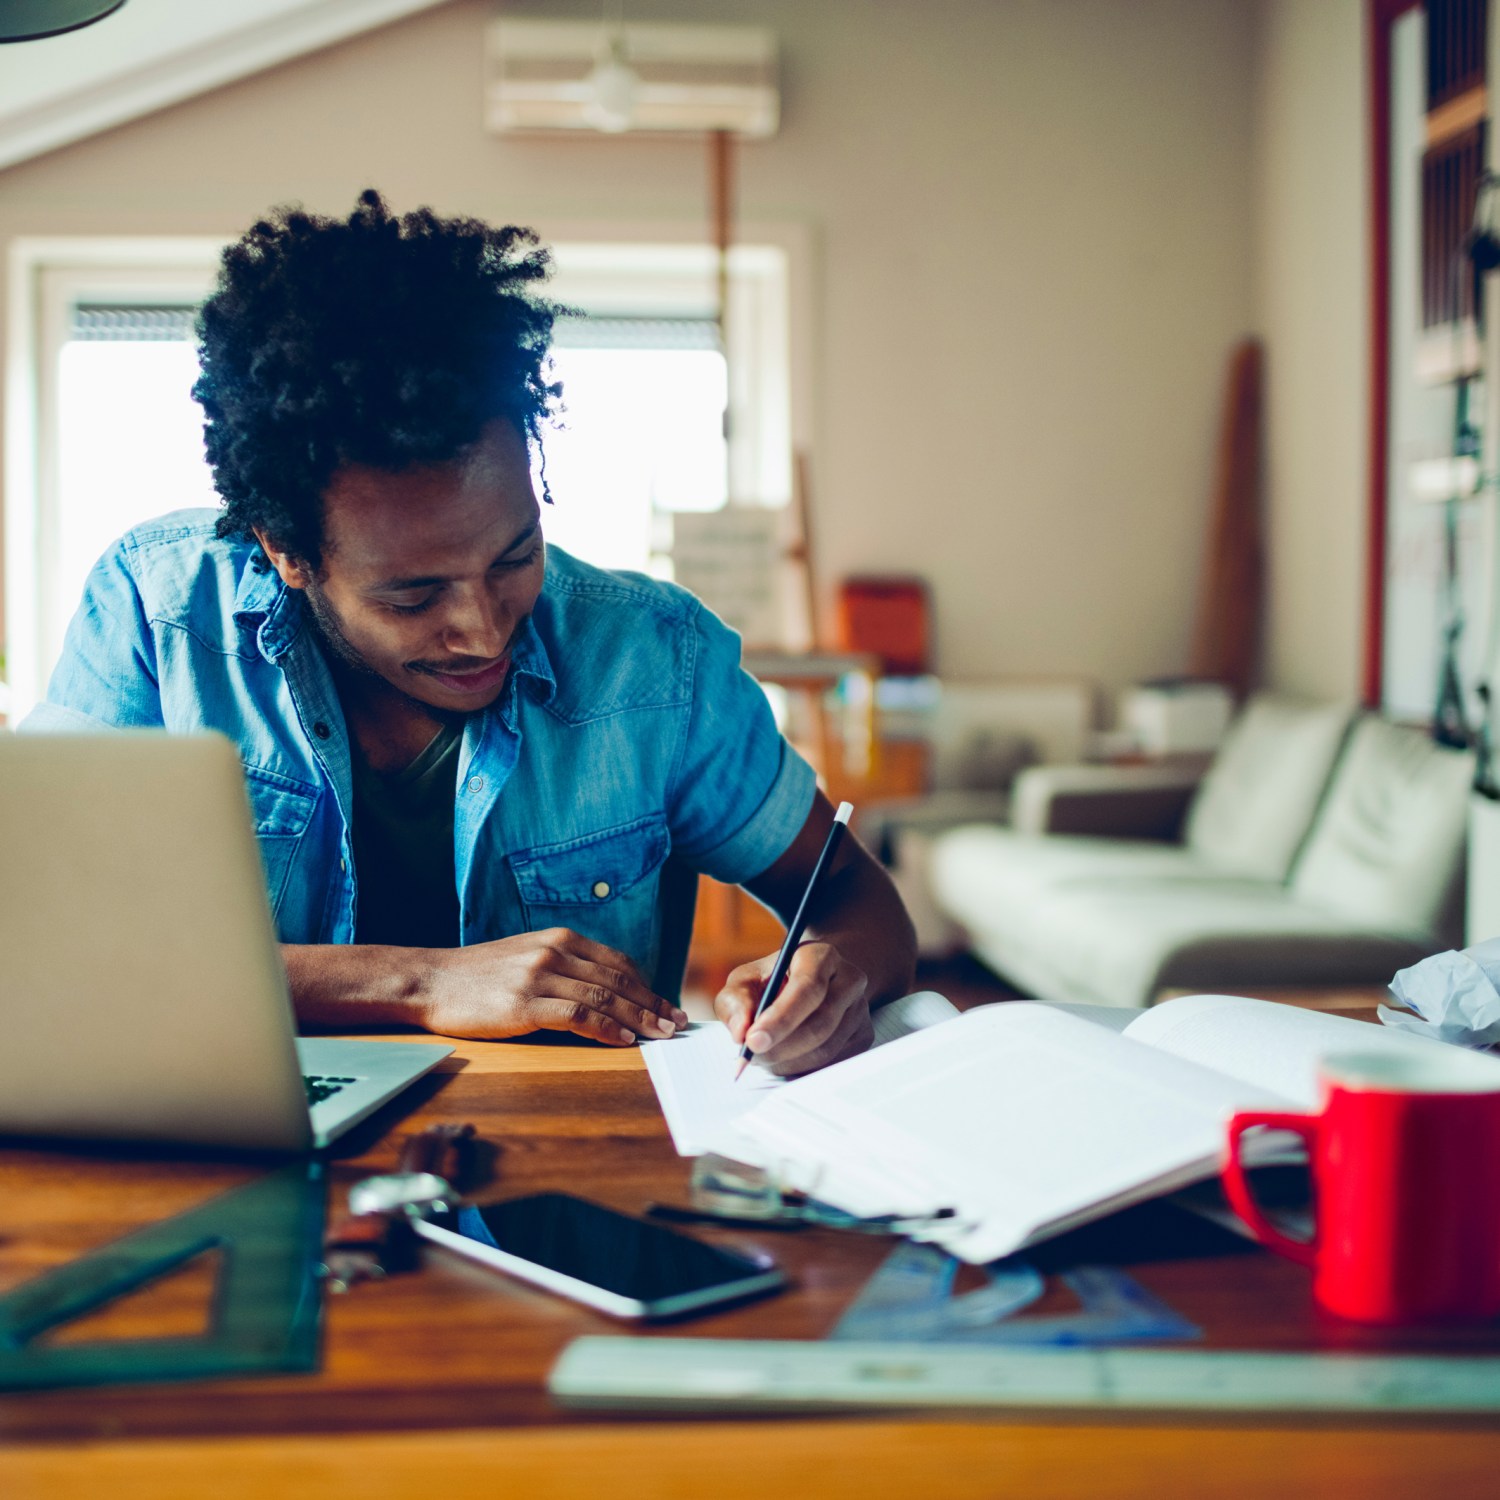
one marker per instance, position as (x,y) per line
(266,1304)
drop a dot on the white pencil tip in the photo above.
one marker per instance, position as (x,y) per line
(844,813)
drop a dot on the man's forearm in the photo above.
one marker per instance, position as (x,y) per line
(358,984)
(862,916)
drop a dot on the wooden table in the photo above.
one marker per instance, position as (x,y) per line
(433,1384)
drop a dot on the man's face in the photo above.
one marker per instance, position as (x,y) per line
(429,573)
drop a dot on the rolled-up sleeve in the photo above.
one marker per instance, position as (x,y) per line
(106,677)
(741,793)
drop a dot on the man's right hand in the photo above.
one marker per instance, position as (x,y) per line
(556,980)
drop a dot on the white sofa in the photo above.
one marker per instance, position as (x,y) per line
(1321,847)
(977,735)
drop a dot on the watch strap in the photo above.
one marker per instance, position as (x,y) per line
(366,1247)
(440,1149)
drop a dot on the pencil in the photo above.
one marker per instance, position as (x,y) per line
(794,932)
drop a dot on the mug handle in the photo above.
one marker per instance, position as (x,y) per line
(1237,1186)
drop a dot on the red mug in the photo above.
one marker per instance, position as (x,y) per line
(1405,1159)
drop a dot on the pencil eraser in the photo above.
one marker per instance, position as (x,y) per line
(844,812)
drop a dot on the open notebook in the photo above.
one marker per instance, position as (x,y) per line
(1027,1120)
(693,1072)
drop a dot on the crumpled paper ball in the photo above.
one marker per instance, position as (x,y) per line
(1456,997)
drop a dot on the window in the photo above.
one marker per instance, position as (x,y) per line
(103,432)
(101,428)
(642,436)
(660,418)
(129,436)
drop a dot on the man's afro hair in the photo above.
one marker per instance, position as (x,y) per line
(376,339)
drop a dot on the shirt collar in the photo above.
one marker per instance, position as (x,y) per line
(529,660)
(264,604)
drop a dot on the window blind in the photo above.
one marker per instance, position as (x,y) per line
(96,322)
(102,321)
(586,332)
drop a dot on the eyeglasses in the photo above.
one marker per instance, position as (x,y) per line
(723,1191)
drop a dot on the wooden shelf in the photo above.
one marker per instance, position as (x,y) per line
(731,926)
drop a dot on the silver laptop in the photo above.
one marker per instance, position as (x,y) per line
(142,994)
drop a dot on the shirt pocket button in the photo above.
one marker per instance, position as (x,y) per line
(601,889)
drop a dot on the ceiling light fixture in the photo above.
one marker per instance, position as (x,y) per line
(31,20)
(614,89)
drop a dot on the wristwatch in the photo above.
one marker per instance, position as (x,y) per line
(376,1239)
(401,1192)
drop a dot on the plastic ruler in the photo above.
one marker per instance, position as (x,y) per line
(911,1298)
(743,1374)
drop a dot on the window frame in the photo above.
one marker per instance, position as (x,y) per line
(668,278)
(48,278)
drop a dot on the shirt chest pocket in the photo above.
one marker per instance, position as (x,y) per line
(604,887)
(281,811)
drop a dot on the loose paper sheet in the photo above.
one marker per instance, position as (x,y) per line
(1456,997)
(693,1072)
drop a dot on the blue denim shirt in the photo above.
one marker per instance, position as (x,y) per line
(626,731)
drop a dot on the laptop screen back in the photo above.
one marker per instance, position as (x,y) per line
(144,996)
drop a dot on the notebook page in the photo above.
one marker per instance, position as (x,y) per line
(911,1013)
(1116,1017)
(693,1072)
(1016,1115)
(1276,1047)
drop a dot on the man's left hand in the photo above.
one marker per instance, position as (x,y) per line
(821,1015)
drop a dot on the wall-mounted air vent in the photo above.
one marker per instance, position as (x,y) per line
(575,75)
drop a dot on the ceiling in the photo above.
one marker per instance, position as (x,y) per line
(156,52)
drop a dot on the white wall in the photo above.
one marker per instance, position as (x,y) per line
(1032,230)
(1312,278)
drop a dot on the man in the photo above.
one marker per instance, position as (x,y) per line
(467,758)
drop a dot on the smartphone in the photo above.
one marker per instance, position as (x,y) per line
(623,1266)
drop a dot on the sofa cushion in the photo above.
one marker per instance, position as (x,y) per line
(1028,902)
(1388,844)
(1120,943)
(1257,802)
(982,868)
(1109,922)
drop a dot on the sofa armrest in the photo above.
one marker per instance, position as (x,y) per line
(880,825)
(1141,802)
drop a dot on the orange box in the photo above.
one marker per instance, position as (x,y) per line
(888,617)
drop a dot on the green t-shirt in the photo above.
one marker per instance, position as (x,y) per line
(403,848)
